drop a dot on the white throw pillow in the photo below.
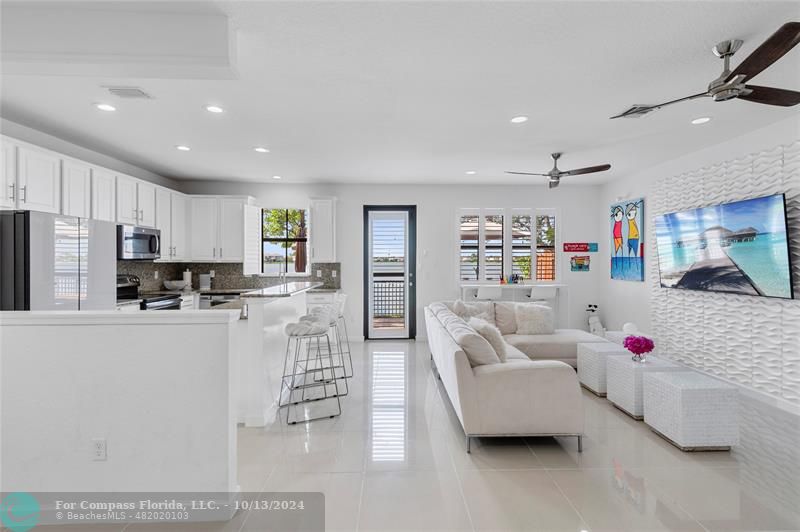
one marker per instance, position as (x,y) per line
(484,310)
(534,319)
(505,317)
(492,335)
(512,353)
(478,350)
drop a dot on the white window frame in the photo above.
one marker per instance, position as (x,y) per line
(507,213)
(308,273)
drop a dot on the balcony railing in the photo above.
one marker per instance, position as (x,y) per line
(389,302)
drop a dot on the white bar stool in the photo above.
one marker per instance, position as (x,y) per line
(305,370)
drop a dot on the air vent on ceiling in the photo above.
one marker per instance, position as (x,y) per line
(128,92)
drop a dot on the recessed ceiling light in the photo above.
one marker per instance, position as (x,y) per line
(276,177)
(470,172)
(105,107)
(519,119)
(181,147)
(259,149)
(214,109)
(701,120)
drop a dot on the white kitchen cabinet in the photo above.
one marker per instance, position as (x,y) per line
(76,189)
(180,223)
(164,221)
(231,229)
(253,255)
(38,180)
(204,228)
(146,203)
(127,207)
(104,204)
(323,229)
(8,174)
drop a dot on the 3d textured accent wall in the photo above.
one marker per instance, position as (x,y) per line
(753,341)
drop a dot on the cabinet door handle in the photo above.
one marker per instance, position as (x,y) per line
(11,192)
(220,252)
(135,215)
(23,193)
(141,214)
(215,253)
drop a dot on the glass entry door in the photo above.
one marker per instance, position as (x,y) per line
(389,271)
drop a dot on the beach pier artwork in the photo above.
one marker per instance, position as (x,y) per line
(739,247)
(627,240)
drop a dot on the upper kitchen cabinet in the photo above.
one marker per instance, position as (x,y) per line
(38,180)
(164,221)
(323,230)
(8,174)
(204,228)
(76,188)
(217,228)
(127,206)
(136,202)
(146,198)
(180,224)
(104,203)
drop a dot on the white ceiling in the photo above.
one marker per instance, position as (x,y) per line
(421,92)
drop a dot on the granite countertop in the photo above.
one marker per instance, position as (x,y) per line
(212,291)
(324,290)
(283,290)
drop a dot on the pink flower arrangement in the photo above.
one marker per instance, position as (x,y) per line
(638,345)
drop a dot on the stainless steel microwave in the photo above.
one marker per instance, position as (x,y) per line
(138,243)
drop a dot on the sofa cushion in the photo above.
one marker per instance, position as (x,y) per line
(512,353)
(534,319)
(478,350)
(505,317)
(437,307)
(561,345)
(480,309)
(492,335)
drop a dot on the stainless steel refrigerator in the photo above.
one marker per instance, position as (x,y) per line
(53,262)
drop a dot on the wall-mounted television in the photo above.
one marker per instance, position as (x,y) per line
(740,248)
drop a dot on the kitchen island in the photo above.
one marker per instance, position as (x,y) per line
(264,346)
(153,388)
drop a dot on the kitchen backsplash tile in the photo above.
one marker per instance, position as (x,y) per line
(226,275)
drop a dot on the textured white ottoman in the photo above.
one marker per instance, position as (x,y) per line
(692,411)
(624,380)
(592,364)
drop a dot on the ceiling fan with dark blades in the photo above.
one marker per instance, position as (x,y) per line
(731,84)
(554,176)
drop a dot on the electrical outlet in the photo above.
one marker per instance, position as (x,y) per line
(155,275)
(212,273)
(333,273)
(99,449)
(319,273)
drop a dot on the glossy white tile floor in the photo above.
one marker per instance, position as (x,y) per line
(396,460)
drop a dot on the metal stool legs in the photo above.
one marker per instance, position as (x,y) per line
(307,372)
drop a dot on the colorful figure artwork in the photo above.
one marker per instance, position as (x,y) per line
(627,242)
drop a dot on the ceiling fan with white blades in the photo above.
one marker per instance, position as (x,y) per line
(554,176)
(731,84)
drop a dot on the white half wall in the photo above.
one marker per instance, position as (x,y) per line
(437,248)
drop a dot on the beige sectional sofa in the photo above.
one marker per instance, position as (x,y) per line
(533,393)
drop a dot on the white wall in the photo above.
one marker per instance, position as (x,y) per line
(630,301)
(47,141)
(437,208)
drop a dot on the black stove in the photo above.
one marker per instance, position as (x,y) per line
(128,290)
